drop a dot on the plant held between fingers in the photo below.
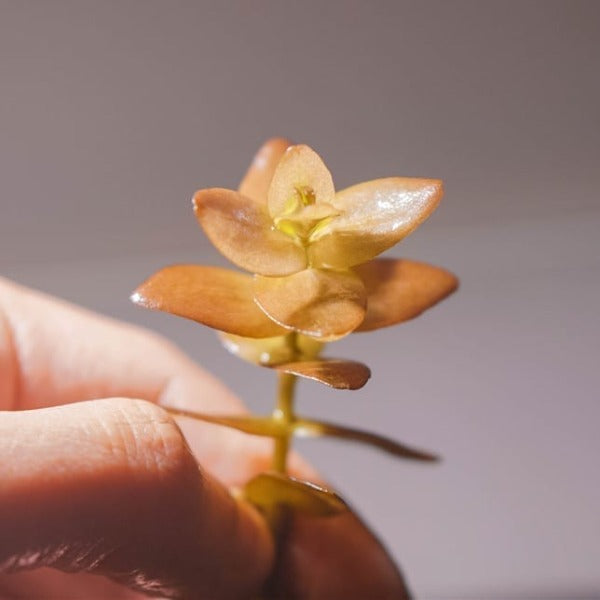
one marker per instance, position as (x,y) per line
(312,277)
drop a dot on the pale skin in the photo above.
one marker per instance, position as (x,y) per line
(96,479)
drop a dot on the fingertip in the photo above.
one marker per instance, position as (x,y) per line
(110,487)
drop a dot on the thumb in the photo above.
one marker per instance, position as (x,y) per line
(110,487)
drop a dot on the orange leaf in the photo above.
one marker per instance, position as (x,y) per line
(319,303)
(398,290)
(336,373)
(375,215)
(242,230)
(219,298)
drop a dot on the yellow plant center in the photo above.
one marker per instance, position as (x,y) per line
(303,217)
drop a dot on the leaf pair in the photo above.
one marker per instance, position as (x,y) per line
(291,184)
(301,427)
(396,290)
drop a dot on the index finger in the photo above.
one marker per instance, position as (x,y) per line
(52,352)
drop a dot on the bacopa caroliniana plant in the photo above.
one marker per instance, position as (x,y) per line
(312,277)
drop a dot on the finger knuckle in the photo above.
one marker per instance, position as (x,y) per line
(145,438)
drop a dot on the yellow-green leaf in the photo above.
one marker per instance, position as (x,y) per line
(263,426)
(336,373)
(272,351)
(219,298)
(324,304)
(301,427)
(398,290)
(375,215)
(242,230)
(270,489)
(257,180)
(310,428)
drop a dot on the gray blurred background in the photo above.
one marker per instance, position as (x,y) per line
(113,113)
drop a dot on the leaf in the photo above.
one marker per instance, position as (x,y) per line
(242,230)
(263,426)
(219,298)
(271,427)
(398,290)
(271,351)
(269,489)
(309,428)
(265,351)
(375,215)
(257,179)
(336,373)
(300,178)
(315,302)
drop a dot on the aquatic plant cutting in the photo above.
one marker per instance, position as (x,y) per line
(307,274)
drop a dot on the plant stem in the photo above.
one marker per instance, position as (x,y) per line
(284,412)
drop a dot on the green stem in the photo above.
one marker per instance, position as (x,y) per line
(284,413)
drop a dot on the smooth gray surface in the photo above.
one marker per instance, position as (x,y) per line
(112,114)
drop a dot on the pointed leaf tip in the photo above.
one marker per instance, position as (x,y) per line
(309,428)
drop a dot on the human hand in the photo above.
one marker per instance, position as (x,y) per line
(98,480)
